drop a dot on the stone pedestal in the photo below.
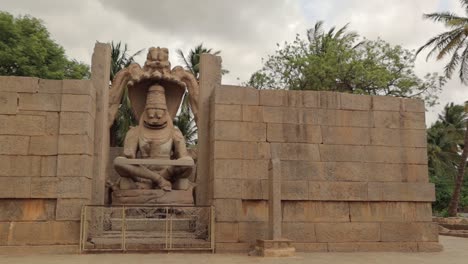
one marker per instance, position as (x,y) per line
(274,248)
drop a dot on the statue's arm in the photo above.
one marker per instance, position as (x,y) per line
(180,150)
(131,143)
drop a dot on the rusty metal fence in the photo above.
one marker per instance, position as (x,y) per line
(147,228)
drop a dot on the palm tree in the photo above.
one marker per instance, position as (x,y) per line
(192,60)
(453,42)
(125,117)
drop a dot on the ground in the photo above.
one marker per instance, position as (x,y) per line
(455,251)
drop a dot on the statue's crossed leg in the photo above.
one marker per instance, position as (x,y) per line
(135,171)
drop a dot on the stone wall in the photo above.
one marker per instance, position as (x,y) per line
(47,139)
(354,170)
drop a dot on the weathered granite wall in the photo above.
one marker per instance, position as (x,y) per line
(47,145)
(353,168)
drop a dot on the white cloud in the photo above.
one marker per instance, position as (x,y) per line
(244,30)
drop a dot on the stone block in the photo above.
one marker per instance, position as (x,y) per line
(44,233)
(271,97)
(310,247)
(373,247)
(227,210)
(241,150)
(294,190)
(239,131)
(383,154)
(293,133)
(75,165)
(414,138)
(386,119)
(228,168)
(295,151)
(43,145)
(227,188)
(252,231)
(384,172)
(228,112)
(285,115)
(228,94)
(227,232)
(27,125)
(310,116)
(430,247)
(252,113)
(79,87)
(390,212)
(75,144)
(75,123)
(20,165)
(415,173)
(295,98)
(255,169)
(49,166)
(50,86)
(342,153)
(44,187)
(299,232)
(414,155)
(337,191)
(8,103)
(26,210)
(385,137)
(311,99)
(78,103)
(297,170)
(401,191)
(39,102)
(413,120)
(4,230)
(412,105)
(330,100)
(52,123)
(15,187)
(314,211)
(345,135)
(420,232)
(355,102)
(14,145)
(386,103)
(74,187)
(346,118)
(254,211)
(70,209)
(347,232)
(343,171)
(19,84)
(254,190)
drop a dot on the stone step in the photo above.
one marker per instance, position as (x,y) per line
(148,243)
(145,234)
(153,224)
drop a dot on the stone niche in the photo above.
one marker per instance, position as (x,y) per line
(353,170)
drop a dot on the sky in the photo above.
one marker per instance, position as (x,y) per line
(244,30)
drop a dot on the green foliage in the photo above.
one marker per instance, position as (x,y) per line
(192,60)
(453,41)
(27,50)
(444,145)
(125,117)
(337,60)
(186,123)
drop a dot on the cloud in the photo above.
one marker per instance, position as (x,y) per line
(245,30)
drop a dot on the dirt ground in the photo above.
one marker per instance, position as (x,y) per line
(455,251)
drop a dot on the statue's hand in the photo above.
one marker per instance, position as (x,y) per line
(185,158)
(129,155)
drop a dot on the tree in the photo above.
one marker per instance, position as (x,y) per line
(125,117)
(26,49)
(338,60)
(185,120)
(453,43)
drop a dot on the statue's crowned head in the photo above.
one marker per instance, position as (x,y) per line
(156,116)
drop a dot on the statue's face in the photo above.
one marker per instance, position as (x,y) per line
(159,56)
(155,118)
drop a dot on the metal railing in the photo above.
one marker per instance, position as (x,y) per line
(147,228)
